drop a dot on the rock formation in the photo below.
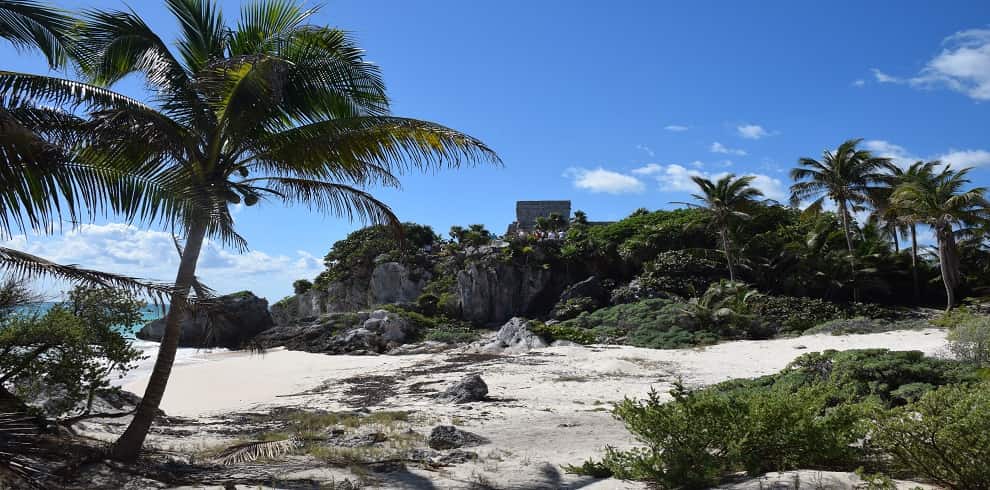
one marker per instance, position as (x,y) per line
(231,321)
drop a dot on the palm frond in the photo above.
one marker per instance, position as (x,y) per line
(326,197)
(253,451)
(30,25)
(25,265)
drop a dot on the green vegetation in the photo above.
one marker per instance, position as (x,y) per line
(910,409)
(355,256)
(65,356)
(241,112)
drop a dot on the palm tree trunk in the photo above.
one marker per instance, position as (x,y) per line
(893,235)
(849,244)
(914,264)
(948,263)
(728,253)
(129,444)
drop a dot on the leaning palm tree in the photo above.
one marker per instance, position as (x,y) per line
(726,200)
(844,176)
(269,108)
(941,202)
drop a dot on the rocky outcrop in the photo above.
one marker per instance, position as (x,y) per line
(470,389)
(230,321)
(515,336)
(390,282)
(493,293)
(378,331)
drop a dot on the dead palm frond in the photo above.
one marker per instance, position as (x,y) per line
(253,451)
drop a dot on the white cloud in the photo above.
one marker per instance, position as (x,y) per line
(720,148)
(898,154)
(859,83)
(963,65)
(882,77)
(646,149)
(601,180)
(648,169)
(676,177)
(677,128)
(904,158)
(150,254)
(965,158)
(752,131)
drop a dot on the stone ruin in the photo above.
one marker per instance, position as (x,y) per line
(528,211)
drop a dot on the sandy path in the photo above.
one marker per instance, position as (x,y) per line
(550,405)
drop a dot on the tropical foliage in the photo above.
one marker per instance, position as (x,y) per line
(924,417)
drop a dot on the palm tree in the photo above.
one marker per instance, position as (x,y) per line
(271,108)
(845,176)
(40,183)
(917,172)
(726,200)
(940,202)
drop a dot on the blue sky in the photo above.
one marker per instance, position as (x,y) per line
(612,105)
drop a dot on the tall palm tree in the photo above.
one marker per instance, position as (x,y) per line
(726,200)
(917,172)
(271,108)
(844,176)
(941,202)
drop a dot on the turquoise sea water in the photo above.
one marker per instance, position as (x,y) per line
(148,348)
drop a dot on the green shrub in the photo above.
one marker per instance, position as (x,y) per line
(793,314)
(355,255)
(72,351)
(700,437)
(969,340)
(944,437)
(560,331)
(301,286)
(451,333)
(861,325)
(573,307)
(954,317)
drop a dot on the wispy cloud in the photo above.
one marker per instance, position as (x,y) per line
(675,177)
(902,157)
(677,128)
(127,249)
(859,83)
(966,158)
(646,149)
(963,65)
(720,148)
(600,180)
(752,131)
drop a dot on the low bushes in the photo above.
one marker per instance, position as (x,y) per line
(920,417)
(944,437)
(862,325)
(969,340)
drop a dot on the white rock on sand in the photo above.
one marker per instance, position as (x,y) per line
(550,405)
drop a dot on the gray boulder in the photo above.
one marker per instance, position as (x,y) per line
(450,437)
(515,336)
(229,322)
(470,389)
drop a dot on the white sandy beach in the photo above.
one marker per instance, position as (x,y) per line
(549,405)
